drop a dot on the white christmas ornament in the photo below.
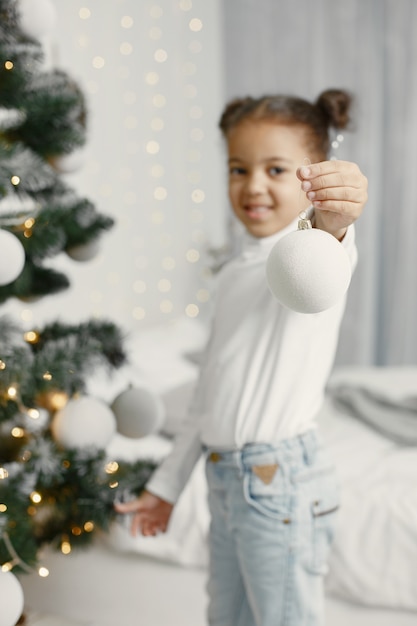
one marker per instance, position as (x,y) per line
(308,270)
(138,412)
(37,17)
(84,252)
(12,600)
(12,257)
(68,163)
(84,421)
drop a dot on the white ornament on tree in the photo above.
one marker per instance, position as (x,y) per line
(84,421)
(12,599)
(84,252)
(12,257)
(68,163)
(308,270)
(37,17)
(139,412)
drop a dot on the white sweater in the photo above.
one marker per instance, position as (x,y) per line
(265,367)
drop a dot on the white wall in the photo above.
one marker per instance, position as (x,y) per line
(152,75)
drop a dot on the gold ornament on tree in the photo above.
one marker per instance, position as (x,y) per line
(52,400)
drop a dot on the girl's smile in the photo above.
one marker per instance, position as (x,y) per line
(257,212)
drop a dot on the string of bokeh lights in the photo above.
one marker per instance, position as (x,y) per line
(160,64)
(154,147)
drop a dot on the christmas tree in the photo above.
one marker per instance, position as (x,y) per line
(57,486)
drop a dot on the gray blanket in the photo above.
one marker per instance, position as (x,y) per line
(385,404)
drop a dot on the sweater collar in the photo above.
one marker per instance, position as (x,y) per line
(260,247)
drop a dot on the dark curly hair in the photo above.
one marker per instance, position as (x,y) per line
(330,110)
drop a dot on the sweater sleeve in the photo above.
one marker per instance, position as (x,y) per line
(349,244)
(348,241)
(170,478)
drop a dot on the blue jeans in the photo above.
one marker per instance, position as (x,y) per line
(272,518)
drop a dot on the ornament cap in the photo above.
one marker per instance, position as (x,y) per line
(306,218)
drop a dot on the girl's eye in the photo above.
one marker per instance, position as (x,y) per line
(275,171)
(237,171)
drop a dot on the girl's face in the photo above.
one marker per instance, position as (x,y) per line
(263,187)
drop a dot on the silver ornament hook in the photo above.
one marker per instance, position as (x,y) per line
(304,223)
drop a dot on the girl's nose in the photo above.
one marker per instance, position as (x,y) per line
(255,182)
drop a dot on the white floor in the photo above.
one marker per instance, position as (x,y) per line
(101,587)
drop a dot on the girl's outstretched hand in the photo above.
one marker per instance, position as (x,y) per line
(338,190)
(151,514)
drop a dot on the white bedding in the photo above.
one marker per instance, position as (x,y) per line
(374,557)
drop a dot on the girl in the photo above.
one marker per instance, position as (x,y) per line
(272,492)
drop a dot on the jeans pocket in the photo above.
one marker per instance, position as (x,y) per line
(268,490)
(323,514)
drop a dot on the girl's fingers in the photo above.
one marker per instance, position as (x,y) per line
(151,528)
(334,179)
(324,168)
(335,186)
(338,190)
(338,194)
(333,174)
(127,507)
(148,529)
(146,524)
(347,211)
(137,525)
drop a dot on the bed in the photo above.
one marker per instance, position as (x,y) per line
(369,421)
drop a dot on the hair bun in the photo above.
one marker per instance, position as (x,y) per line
(335,104)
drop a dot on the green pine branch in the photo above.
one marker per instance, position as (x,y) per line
(55,115)
(69,353)
(48,495)
(74,508)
